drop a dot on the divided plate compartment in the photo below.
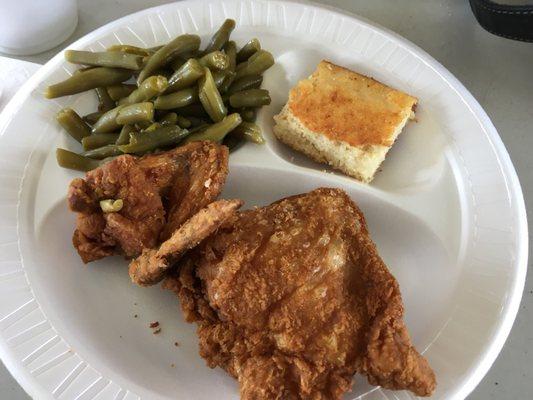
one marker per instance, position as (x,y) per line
(446,212)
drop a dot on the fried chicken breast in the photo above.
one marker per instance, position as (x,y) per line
(159,193)
(292,299)
(152,265)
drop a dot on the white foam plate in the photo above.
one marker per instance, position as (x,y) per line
(446,212)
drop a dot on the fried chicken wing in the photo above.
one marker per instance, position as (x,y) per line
(150,267)
(159,193)
(292,299)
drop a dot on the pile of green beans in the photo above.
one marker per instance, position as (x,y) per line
(154,99)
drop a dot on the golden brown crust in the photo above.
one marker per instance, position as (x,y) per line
(200,183)
(292,299)
(152,265)
(128,231)
(344,105)
(159,192)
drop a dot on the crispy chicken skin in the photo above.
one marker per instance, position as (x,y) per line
(152,265)
(292,299)
(137,225)
(159,192)
(198,183)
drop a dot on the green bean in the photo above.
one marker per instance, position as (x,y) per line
(232,142)
(185,76)
(111,205)
(151,87)
(98,140)
(194,110)
(91,79)
(124,137)
(245,83)
(107,122)
(210,97)
(141,142)
(218,77)
(153,127)
(100,153)
(250,131)
(215,60)
(175,119)
(231,50)
(248,114)
(217,131)
(117,92)
(191,54)
(178,99)
(226,83)
(133,113)
(241,66)
(83,69)
(126,48)
(70,160)
(250,98)
(220,38)
(197,122)
(183,122)
(141,126)
(248,50)
(92,117)
(154,49)
(179,45)
(144,62)
(105,103)
(110,59)
(73,124)
(258,63)
(165,72)
(245,131)
(170,118)
(222,79)
(177,62)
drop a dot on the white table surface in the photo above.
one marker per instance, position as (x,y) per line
(499,74)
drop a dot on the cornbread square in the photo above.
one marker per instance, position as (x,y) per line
(344,119)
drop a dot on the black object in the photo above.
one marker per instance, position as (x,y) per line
(512,22)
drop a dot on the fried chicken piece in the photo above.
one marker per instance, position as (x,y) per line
(151,266)
(292,299)
(135,226)
(157,190)
(199,182)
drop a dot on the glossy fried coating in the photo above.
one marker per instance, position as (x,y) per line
(159,192)
(199,181)
(292,299)
(151,266)
(137,225)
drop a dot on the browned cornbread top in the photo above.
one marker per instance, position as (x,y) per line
(349,107)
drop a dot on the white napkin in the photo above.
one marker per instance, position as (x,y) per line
(13,74)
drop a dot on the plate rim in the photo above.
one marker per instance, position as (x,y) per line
(511,307)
